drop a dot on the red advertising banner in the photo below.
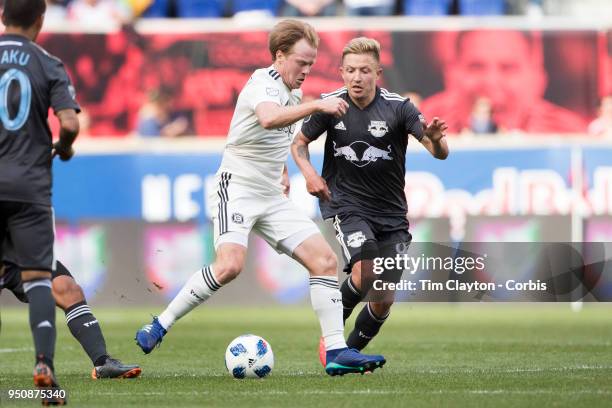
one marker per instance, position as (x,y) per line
(541,82)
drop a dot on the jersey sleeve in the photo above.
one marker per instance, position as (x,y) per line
(413,120)
(315,125)
(260,91)
(63,95)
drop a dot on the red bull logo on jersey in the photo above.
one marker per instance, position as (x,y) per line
(361,153)
(378,128)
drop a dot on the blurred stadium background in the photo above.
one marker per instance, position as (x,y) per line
(525,86)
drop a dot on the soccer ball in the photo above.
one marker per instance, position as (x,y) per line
(249,356)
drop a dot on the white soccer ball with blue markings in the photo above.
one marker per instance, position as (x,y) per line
(249,356)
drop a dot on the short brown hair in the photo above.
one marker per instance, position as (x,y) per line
(362,45)
(285,34)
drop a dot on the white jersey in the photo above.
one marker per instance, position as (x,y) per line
(253,155)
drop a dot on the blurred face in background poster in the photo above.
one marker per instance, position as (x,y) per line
(506,67)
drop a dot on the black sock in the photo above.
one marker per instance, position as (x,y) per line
(367,326)
(85,328)
(42,318)
(351,296)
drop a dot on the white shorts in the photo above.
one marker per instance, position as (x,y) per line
(237,209)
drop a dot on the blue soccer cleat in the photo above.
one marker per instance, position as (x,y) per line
(346,361)
(150,336)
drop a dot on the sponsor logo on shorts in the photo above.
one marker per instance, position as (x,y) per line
(356,239)
(237,218)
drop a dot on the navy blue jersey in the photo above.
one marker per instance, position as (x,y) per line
(31,81)
(365,153)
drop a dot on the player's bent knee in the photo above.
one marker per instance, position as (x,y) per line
(326,264)
(381,308)
(66,291)
(227,270)
(356,275)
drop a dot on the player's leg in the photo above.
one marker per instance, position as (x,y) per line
(204,283)
(31,230)
(201,286)
(357,242)
(316,255)
(85,328)
(376,311)
(373,314)
(231,239)
(11,280)
(290,231)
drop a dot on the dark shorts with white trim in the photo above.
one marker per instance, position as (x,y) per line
(353,229)
(10,278)
(27,232)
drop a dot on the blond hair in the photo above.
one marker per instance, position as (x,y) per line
(362,45)
(285,34)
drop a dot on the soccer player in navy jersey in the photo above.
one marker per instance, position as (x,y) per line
(362,185)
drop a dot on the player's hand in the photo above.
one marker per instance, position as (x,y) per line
(286,183)
(333,106)
(436,130)
(65,153)
(317,186)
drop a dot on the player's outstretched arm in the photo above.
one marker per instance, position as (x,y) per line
(69,129)
(273,116)
(434,139)
(315,184)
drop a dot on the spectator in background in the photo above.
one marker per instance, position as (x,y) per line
(309,8)
(99,13)
(507,67)
(369,7)
(155,118)
(249,11)
(56,12)
(602,125)
(481,119)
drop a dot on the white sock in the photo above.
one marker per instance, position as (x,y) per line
(327,303)
(197,290)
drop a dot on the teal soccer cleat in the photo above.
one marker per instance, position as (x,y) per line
(346,361)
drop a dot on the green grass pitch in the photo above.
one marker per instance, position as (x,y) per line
(438,355)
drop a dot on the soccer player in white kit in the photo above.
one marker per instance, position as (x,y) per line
(252,183)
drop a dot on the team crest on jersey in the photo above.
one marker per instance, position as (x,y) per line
(272,91)
(378,128)
(356,239)
(361,153)
(237,218)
